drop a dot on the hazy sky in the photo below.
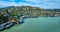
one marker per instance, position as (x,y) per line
(37,3)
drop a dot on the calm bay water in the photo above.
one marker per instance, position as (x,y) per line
(40,24)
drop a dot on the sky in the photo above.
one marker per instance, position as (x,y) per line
(47,4)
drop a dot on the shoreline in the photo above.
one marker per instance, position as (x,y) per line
(29,22)
(20,21)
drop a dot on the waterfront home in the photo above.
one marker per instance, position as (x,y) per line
(12,20)
(57,14)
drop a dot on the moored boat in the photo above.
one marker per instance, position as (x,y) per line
(1,26)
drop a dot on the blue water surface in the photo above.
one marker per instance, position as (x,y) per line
(40,24)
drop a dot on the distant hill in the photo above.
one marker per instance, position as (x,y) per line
(20,8)
(26,8)
(23,9)
(57,10)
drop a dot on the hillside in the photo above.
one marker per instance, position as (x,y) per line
(18,11)
(25,10)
